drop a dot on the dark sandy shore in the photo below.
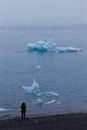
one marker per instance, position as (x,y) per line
(58,122)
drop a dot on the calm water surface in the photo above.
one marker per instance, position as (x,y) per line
(63,73)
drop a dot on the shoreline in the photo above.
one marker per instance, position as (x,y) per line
(71,121)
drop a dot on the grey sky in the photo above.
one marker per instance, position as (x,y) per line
(43,11)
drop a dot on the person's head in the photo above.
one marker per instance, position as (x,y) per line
(23,103)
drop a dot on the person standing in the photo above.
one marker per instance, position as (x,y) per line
(23,110)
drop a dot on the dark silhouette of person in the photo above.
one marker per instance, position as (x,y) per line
(23,110)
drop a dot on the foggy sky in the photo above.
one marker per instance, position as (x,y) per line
(29,12)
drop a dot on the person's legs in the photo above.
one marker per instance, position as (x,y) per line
(24,115)
(21,115)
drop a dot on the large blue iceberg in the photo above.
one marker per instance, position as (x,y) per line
(50,46)
(41,46)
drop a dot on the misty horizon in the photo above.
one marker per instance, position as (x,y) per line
(45,27)
(30,12)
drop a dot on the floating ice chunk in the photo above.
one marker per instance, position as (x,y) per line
(31,46)
(48,93)
(38,66)
(41,46)
(34,89)
(38,101)
(40,98)
(67,49)
(50,102)
(50,46)
(4,109)
(35,66)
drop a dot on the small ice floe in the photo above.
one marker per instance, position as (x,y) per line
(47,93)
(35,66)
(33,89)
(39,97)
(67,49)
(4,109)
(38,67)
(38,101)
(50,102)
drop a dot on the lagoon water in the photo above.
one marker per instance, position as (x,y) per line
(64,74)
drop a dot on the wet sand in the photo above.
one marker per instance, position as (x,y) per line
(73,121)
